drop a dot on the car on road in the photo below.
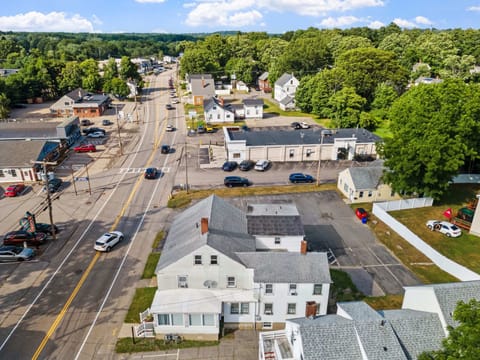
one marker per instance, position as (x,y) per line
(262,165)
(361,214)
(96,134)
(14,190)
(150,173)
(85,148)
(445,227)
(231,181)
(18,237)
(170,128)
(15,253)
(85,122)
(301,178)
(229,165)
(165,149)
(246,165)
(92,130)
(175,101)
(169,107)
(53,185)
(108,240)
(106,122)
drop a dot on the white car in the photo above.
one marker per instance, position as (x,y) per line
(96,134)
(304,125)
(445,227)
(175,101)
(108,240)
(262,165)
(169,128)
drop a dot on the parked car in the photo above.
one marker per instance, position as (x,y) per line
(85,148)
(445,227)
(53,185)
(209,129)
(169,107)
(46,228)
(106,122)
(165,149)
(295,125)
(96,134)
(246,165)
(108,240)
(304,125)
(200,129)
(301,178)
(15,253)
(14,190)
(85,122)
(262,165)
(18,237)
(231,181)
(229,165)
(170,128)
(92,130)
(361,213)
(151,173)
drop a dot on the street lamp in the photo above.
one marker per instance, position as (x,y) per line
(322,135)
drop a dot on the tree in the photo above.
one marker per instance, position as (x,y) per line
(433,129)
(340,44)
(198,61)
(4,106)
(91,79)
(462,341)
(242,68)
(128,70)
(118,87)
(71,77)
(345,108)
(110,70)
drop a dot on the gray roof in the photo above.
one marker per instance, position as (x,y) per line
(227,231)
(91,100)
(417,331)
(294,137)
(274,219)
(76,94)
(264,76)
(359,310)
(29,129)
(448,296)
(270,267)
(19,153)
(199,76)
(286,100)
(253,102)
(366,178)
(285,78)
(202,86)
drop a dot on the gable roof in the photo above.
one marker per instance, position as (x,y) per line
(274,219)
(366,178)
(227,231)
(18,153)
(286,100)
(264,76)
(203,86)
(253,102)
(269,267)
(76,94)
(284,79)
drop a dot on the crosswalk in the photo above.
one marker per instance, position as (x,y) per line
(140,170)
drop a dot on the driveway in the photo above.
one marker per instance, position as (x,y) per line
(330,225)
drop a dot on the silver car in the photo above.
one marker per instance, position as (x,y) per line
(108,240)
(15,253)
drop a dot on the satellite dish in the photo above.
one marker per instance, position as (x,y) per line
(207,283)
(213,284)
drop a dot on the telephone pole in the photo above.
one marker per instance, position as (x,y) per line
(47,189)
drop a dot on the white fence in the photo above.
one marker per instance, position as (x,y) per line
(380,210)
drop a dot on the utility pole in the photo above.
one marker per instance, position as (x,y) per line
(118,130)
(186,166)
(47,189)
(322,135)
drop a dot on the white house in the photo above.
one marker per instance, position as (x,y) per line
(286,85)
(211,273)
(253,108)
(216,112)
(357,331)
(364,184)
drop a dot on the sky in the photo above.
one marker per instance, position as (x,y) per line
(206,16)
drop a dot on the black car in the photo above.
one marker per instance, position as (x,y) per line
(53,185)
(151,173)
(92,130)
(246,165)
(169,107)
(45,228)
(231,181)
(19,237)
(106,122)
(229,166)
(301,178)
(296,125)
(165,149)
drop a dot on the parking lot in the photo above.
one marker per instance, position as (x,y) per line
(330,225)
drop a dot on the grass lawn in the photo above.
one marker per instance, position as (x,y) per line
(126,345)
(141,301)
(269,107)
(150,266)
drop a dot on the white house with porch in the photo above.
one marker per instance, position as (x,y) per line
(211,276)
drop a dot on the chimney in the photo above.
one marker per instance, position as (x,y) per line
(311,309)
(221,102)
(303,247)
(204,226)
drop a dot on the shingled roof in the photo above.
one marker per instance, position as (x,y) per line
(365,178)
(274,219)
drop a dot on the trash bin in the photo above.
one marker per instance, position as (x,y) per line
(364,220)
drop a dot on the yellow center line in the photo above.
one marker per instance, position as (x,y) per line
(82,280)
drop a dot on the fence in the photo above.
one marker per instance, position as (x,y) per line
(380,210)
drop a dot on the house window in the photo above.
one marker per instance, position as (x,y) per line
(218,116)
(213,260)
(236,155)
(163,319)
(231,281)
(2,173)
(370,193)
(267,325)
(268,289)
(248,111)
(268,309)
(182,282)
(292,289)
(208,320)
(317,289)
(309,152)
(177,319)
(345,187)
(292,309)
(392,193)
(198,260)
(292,153)
(14,172)
(234,308)
(277,240)
(214,108)
(318,309)
(244,308)
(195,319)
(360,194)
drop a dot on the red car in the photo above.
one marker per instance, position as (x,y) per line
(85,148)
(361,213)
(14,190)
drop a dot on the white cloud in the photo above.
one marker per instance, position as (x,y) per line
(53,21)
(149,1)
(236,13)
(473,8)
(317,7)
(404,23)
(339,21)
(375,24)
(96,20)
(423,20)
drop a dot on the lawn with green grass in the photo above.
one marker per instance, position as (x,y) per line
(151,265)
(126,345)
(142,300)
